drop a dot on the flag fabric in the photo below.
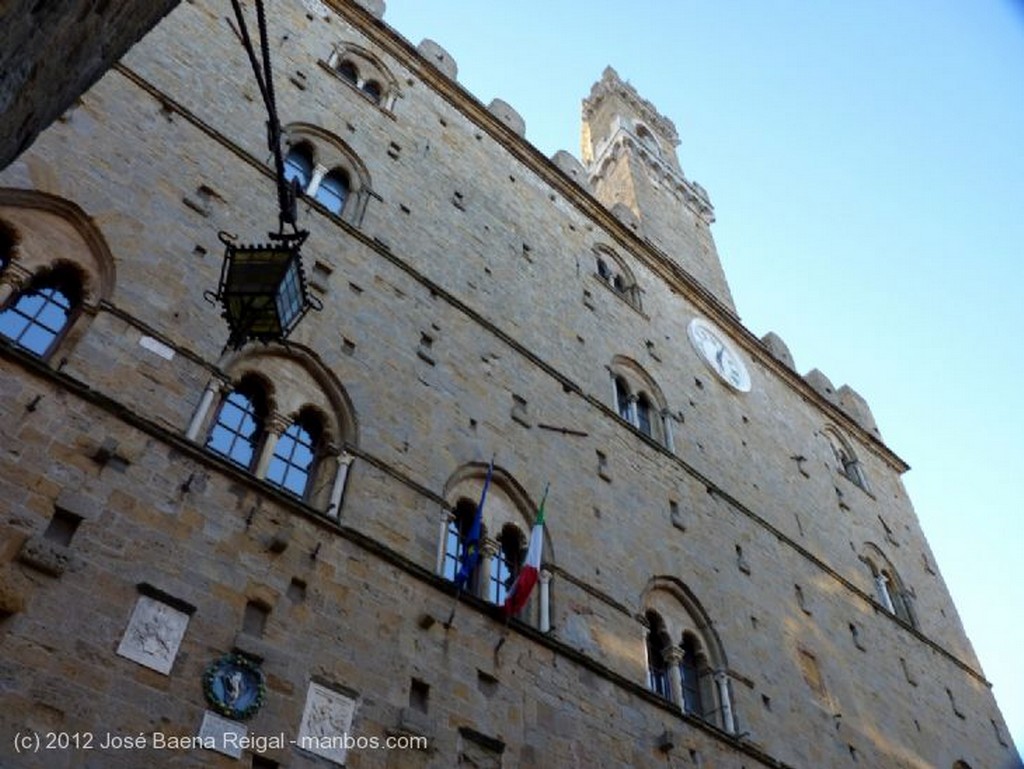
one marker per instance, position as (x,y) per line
(530,573)
(471,545)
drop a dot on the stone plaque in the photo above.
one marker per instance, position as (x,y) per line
(326,722)
(222,734)
(154,634)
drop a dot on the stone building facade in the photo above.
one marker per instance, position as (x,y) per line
(733,575)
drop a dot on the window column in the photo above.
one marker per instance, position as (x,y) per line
(545,601)
(666,420)
(882,588)
(338,487)
(615,390)
(319,172)
(275,427)
(728,722)
(442,540)
(199,417)
(488,552)
(673,657)
(13,280)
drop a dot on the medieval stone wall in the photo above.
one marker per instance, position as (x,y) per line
(464,316)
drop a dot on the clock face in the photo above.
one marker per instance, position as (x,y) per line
(719,354)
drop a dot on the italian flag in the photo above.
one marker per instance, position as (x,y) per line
(530,573)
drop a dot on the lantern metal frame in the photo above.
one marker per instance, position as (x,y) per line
(262,287)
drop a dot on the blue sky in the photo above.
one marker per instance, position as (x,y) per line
(865,162)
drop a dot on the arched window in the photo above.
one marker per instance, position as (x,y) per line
(298,165)
(681,642)
(456,534)
(690,674)
(291,465)
(889,588)
(238,429)
(348,71)
(846,460)
(363,71)
(372,89)
(37,317)
(622,399)
(506,563)
(640,402)
(613,272)
(326,170)
(643,415)
(657,669)
(333,191)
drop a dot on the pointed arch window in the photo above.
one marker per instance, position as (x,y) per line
(298,165)
(506,563)
(348,71)
(614,273)
(364,72)
(657,667)
(889,588)
(456,534)
(333,191)
(372,89)
(690,673)
(622,399)
(35,319)
(643,415)
(846,460)
(292,463)
(238,429)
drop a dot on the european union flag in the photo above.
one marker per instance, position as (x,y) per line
(471,545)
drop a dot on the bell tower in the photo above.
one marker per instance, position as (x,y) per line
(629,150)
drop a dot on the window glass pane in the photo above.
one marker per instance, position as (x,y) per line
(643,416)
(372,89)
(292,461)
(36,339)
(348,71)
(332,192)
(298,165)
(237,430)
(12,324)
(36,319)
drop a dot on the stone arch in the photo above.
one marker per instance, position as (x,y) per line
(889,587)
(616,272)
(297,379)
(696,661)
(647,410)
(45,230)
(511,503)
(330,153)
(368,68)
(508,511)
(847,463)
(669,593)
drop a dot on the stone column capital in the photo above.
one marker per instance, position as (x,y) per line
(277,424)
(489,547)
(673,655)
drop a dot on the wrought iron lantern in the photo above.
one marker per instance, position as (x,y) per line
(262,287)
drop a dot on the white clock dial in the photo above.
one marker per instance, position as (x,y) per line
(719,354)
